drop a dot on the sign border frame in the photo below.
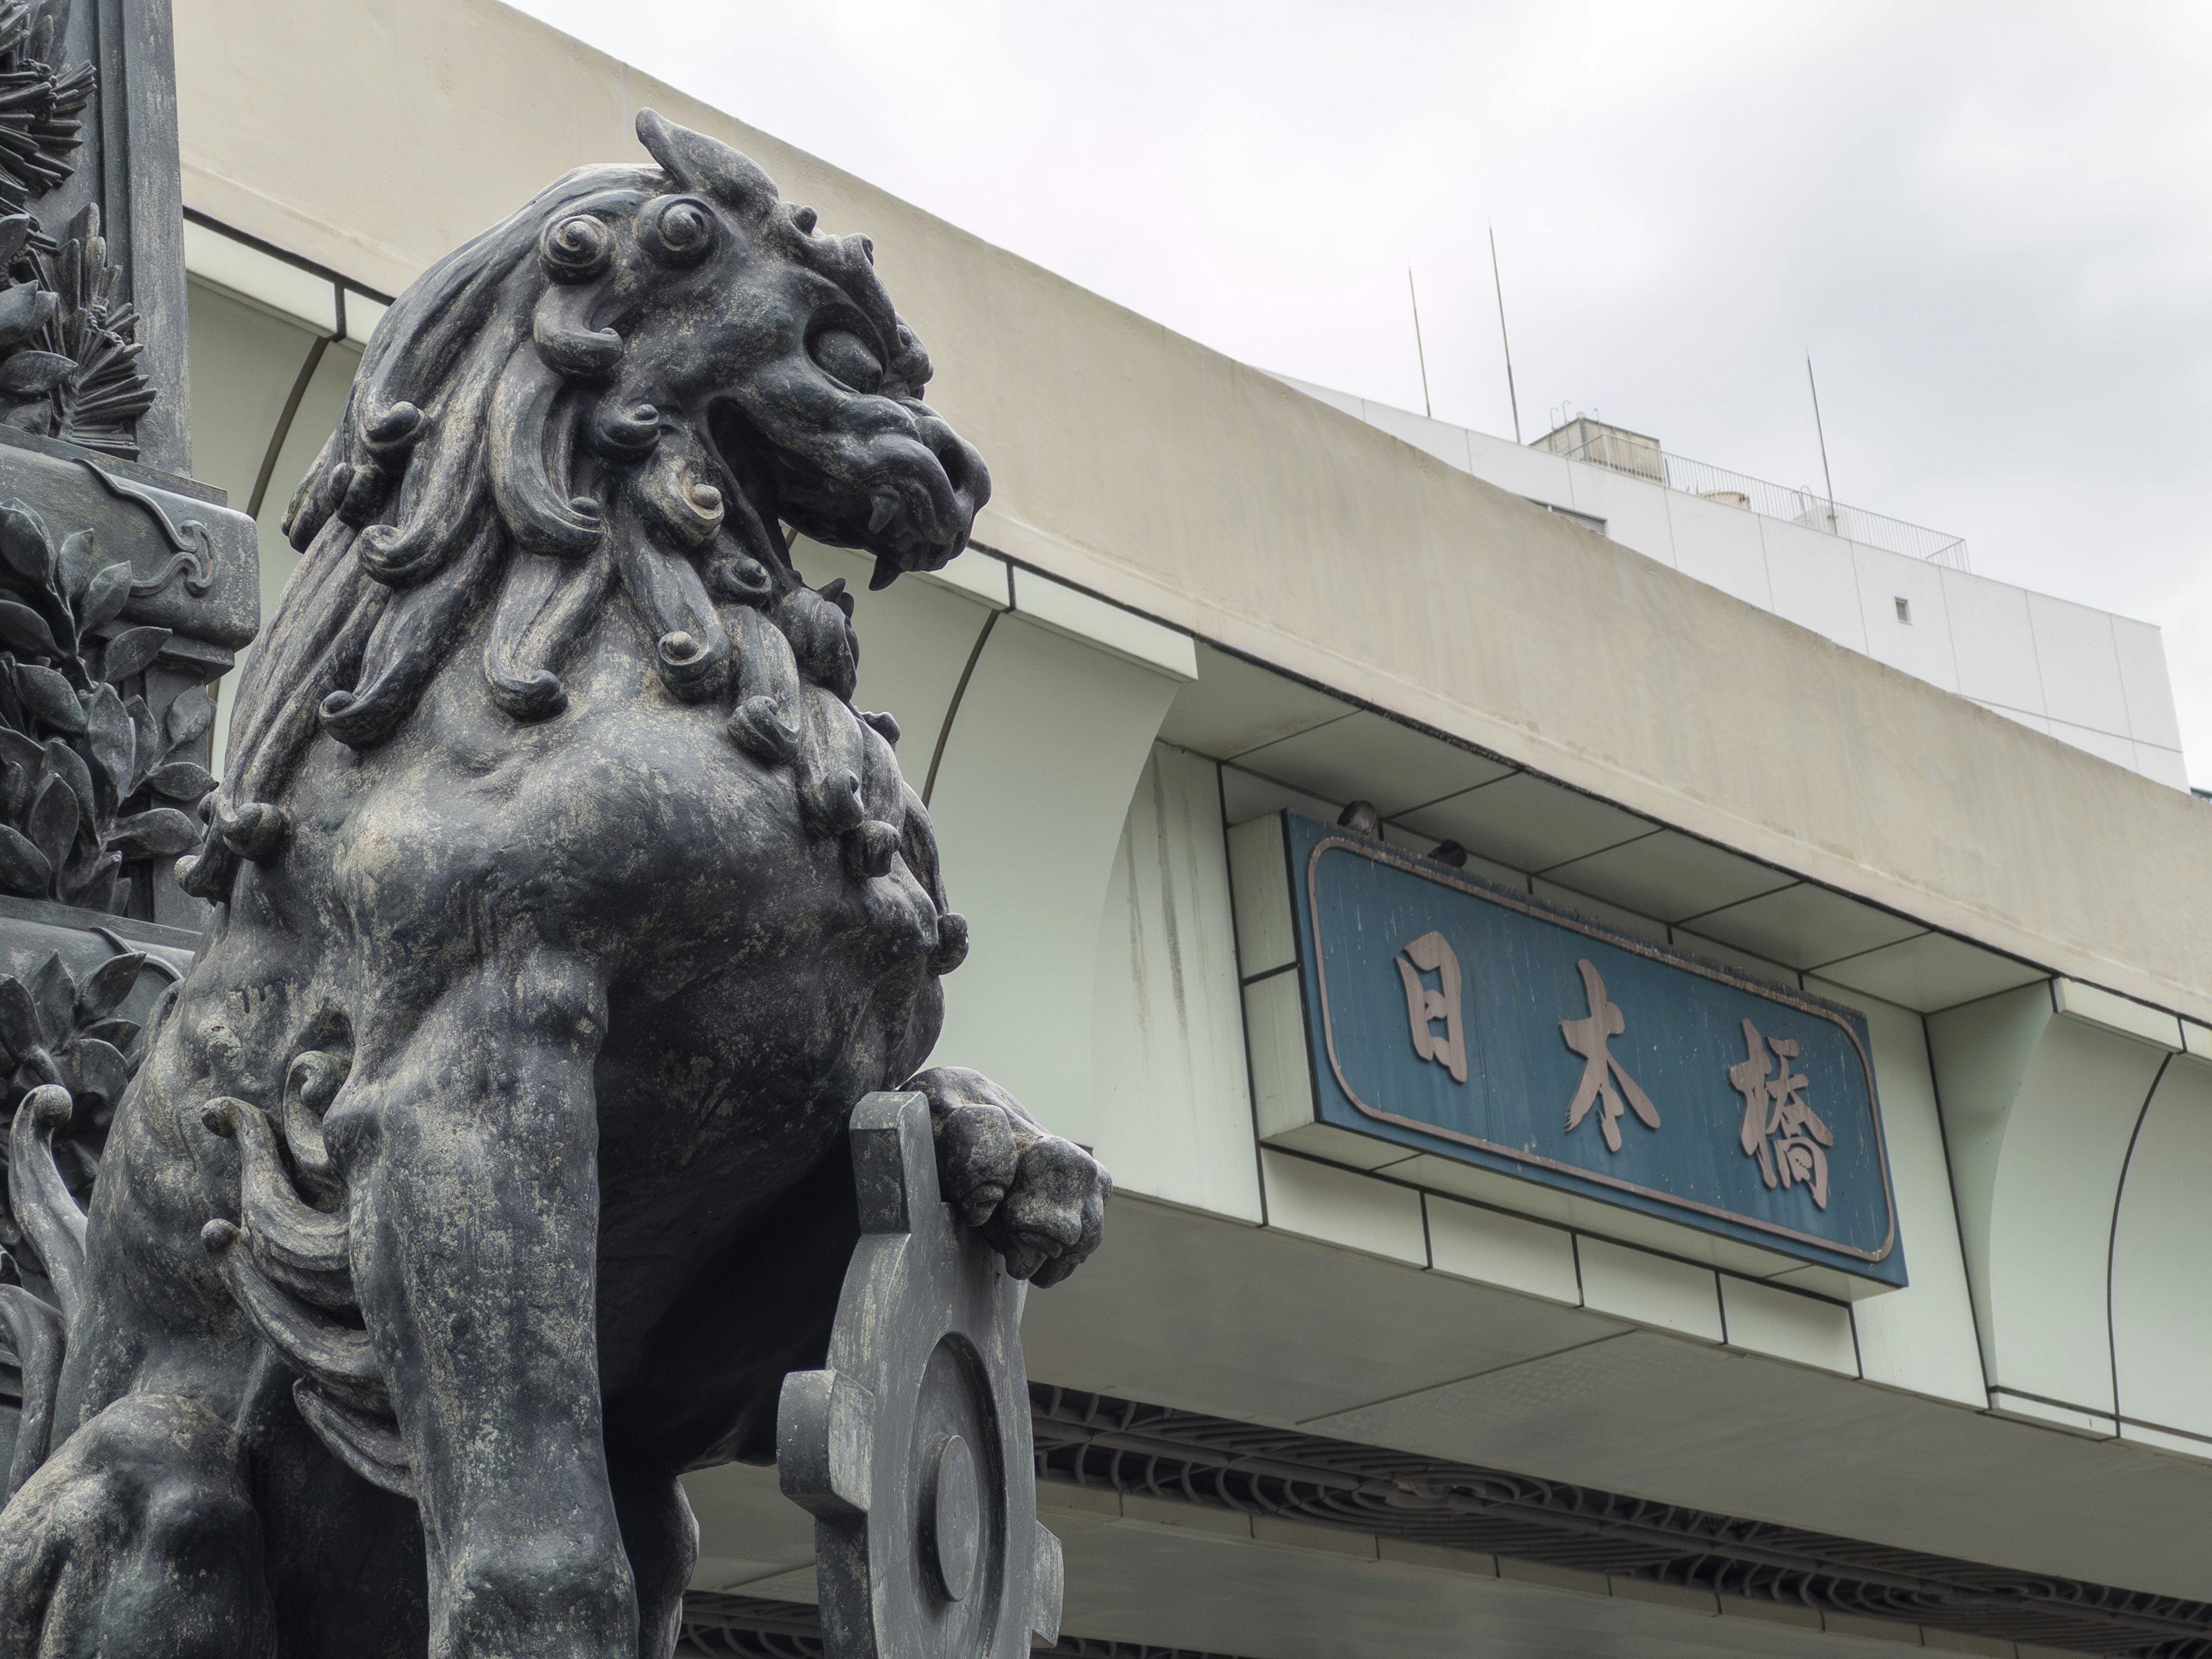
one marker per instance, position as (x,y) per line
(1396,859)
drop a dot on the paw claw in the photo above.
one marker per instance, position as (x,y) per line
(1053,1272)
(976,1208)
(1025,1260)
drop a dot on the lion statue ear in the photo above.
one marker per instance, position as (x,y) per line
(704,164)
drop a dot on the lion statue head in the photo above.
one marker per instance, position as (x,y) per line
(619,394)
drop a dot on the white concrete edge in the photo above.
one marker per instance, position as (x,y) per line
(298,295)
(2070,1419)
(2166,1440)
(1654,1292)
(978,574)
(1757,1316)
(1125,634)
(1124,631)
(1522,1255)
(1344,1208)
(1354,1217)
(2196,1039)
(2119,1013)
(362,314)
(1259,896)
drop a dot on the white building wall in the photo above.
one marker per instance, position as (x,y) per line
(2161,1355)
(2085,676)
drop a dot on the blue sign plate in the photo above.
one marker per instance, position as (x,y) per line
(1471,1023)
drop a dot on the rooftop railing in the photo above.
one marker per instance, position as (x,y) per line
(1640,457)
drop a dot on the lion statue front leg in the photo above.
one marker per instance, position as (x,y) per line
(468,1139)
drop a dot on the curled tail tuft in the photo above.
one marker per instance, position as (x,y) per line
(286,1264)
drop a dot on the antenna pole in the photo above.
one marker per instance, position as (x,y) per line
(1497,283)
(1821,433)
(1417,352)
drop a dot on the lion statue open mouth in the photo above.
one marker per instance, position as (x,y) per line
(488,1170)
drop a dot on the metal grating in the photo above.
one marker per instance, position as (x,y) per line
(1090,1440)
(1117,1445)
(739,1627)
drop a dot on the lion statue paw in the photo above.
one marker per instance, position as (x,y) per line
(1038,1200)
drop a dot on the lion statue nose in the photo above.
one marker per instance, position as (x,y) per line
(963,468)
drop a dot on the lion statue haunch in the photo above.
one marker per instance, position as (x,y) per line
(488,1170)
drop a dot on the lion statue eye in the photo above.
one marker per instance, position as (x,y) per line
(677,230)
(845,356)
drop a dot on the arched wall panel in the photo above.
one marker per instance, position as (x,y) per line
(1038,769)
(2161,1301)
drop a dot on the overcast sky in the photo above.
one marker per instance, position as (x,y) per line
(1991,226)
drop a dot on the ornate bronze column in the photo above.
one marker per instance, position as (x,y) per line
(126,589)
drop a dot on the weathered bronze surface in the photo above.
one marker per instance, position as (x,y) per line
(488,1170)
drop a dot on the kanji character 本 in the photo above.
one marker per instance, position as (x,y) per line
(1780,1127)
(1589,1037)
(1432,954)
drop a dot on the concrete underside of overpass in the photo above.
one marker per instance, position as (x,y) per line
(1213,1317)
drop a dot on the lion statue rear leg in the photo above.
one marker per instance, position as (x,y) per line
(137,1539)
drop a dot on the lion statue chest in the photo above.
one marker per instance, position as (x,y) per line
(754,982)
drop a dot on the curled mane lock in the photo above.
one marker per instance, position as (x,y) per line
(390,435)
(675,499)
(623,431)
(527,457)
(401,654)
(567,341)
(576,247)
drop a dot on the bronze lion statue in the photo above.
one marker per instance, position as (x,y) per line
(488,1170)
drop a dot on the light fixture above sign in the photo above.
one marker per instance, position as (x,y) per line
(1437,1014)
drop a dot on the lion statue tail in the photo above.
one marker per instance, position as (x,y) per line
(36,1331)
(288,1262)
